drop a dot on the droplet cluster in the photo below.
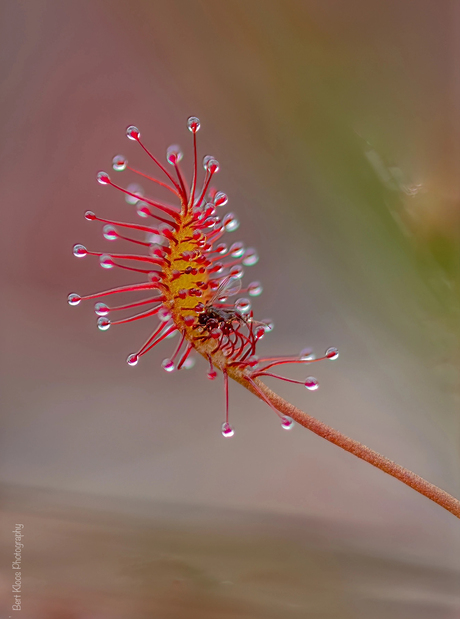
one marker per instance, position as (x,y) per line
(187,272)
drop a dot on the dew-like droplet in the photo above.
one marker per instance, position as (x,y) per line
(174,154)
(212,166)
(227,430)
(269,324)
(306,354)
(332,353)
(132,359)
(250,257)
(80,251)
(259,332)
(221,248)
(103,178)
(237,271)
(206,160)
(157,251)
(109,232)
(90,216)
(212,374)
(189,363)
(168,365)
(166,230)
(137,190)
(236,249)
(243,305)
(101,309)
(106,261)
(119,163)
(103,323)
(164,314)
(230,222)
(218,267)
(220,199)
(311,383)
(133,133)
(73,299)
(189,320)
(287,423)
(142,209)
(215,333)
(210,222)
(193,124)
(255,289)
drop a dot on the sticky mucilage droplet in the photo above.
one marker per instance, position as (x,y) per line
(311,383)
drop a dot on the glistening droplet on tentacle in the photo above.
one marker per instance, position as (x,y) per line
(119,163)
(311,383)
(73,299)
(227,430)
(332,353)
(287,423)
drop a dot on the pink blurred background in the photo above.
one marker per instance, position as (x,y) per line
(336,126)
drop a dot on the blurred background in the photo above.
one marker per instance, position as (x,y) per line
(336,124)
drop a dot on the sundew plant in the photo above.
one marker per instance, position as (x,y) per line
(190,275)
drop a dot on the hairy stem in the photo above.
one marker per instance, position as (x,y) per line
(416,482)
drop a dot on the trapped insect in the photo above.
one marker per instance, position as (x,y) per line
(225,317)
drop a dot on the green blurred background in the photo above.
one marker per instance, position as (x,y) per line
(336,124)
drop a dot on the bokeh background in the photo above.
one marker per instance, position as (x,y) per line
(336,124)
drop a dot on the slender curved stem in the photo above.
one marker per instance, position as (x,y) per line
(416,482)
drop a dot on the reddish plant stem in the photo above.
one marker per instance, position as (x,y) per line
(416,482)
